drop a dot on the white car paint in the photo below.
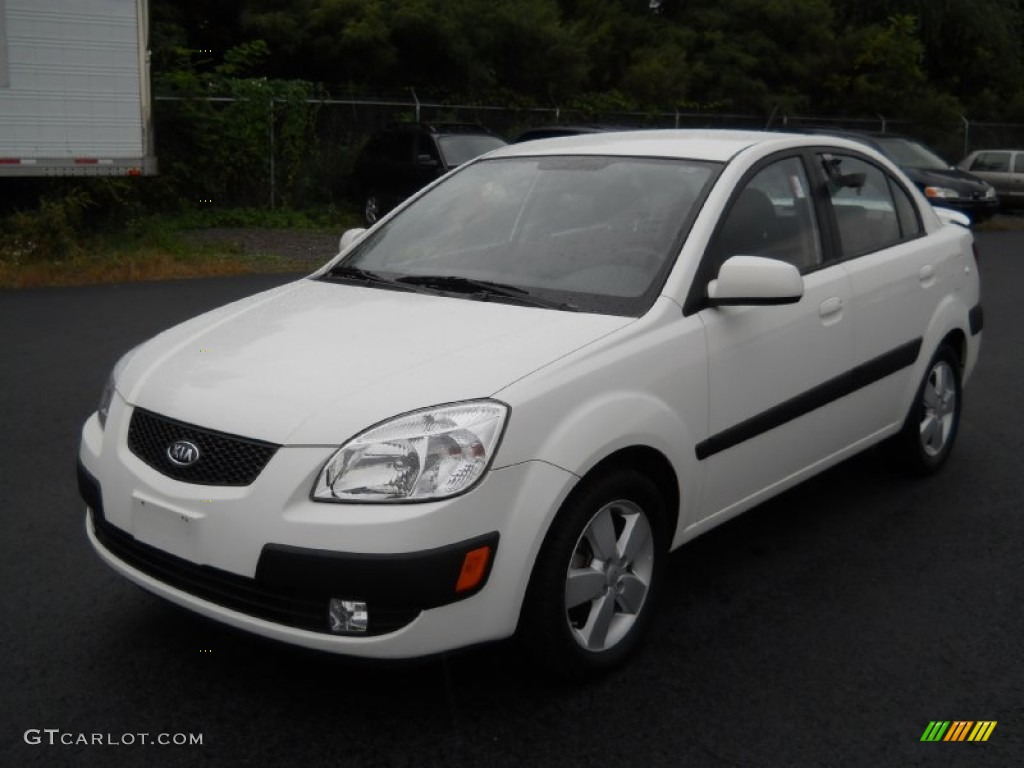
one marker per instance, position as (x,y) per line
(311,364)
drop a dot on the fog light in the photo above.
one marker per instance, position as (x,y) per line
(347,616)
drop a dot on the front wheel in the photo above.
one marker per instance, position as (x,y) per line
(593,589)
(931,427)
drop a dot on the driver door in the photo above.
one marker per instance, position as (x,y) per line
(775,372)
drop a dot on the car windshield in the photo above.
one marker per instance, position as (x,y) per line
(912,154)
(463,148)
(596,234)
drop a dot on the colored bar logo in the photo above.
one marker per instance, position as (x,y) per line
(958,730)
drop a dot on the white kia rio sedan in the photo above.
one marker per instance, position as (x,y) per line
(498,410)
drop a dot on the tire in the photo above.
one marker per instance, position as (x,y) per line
(371,209)
(599,571)
(930,430)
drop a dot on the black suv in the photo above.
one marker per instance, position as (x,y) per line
(402,159)
(943,185)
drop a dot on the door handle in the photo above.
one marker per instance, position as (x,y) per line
(926,275)
(831,306)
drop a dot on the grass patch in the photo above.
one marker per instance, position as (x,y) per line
(328,219)
(106,260)
(162,247)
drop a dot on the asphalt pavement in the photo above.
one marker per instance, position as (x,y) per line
(827,627)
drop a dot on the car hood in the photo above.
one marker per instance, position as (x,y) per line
(312,363)
(954,178)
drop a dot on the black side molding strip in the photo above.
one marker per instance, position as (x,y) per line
(976,320)
(856,378)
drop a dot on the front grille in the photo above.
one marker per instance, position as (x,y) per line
(223,459)
(302,609)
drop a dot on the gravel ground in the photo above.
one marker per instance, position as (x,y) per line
(295,248)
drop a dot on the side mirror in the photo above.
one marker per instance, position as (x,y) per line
(755,280)
(349,238)
(852,180)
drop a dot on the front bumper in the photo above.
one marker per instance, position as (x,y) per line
(268,560)
(293,586)
(979,209)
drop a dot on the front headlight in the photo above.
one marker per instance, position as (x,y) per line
(107,396)
(430,454)
(942,192)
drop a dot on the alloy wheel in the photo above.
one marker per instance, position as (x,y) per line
(609,575)
(939,413)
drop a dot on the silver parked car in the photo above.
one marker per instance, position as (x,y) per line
(1003,169)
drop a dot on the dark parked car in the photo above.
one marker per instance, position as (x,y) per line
(1003,169)
(557,131)
(402,159)
(944,185)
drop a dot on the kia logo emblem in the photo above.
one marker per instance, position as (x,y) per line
(183,453)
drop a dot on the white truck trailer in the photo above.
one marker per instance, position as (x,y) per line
(74,88)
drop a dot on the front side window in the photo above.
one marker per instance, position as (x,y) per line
(598,233)
(772,216)
(863,203)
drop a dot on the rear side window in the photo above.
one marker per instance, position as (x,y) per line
(864,205)
(993,162)
(906,211)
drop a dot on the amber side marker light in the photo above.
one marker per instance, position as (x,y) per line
(474,566)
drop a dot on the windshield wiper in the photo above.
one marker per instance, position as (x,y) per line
(369,277)
(485,289)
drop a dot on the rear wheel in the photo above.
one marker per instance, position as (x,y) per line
(597,576)
(931,427)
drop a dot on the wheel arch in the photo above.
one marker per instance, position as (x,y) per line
(651,463)
(956,339)
(534,628)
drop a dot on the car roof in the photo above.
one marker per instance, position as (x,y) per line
(715,145)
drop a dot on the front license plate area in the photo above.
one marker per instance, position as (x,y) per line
(175,531)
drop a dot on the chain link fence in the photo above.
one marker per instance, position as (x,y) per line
(322,175)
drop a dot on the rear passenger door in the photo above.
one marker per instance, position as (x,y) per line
(895,277)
